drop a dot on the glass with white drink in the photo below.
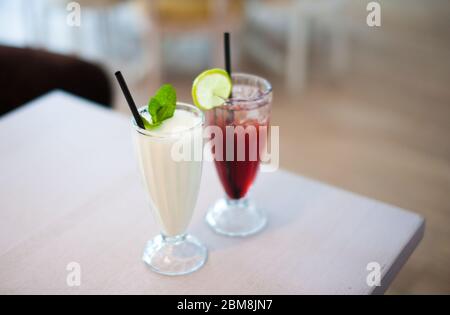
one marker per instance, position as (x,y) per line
(172,185)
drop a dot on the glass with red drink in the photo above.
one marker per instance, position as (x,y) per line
(243,121)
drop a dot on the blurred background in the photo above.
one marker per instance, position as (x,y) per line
(363,108)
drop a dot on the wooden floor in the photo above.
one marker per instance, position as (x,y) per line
(382,130)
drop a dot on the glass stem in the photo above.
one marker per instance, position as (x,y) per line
(243,202)
(173,239)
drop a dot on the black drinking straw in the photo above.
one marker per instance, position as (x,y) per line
(230,115)
(129,98)
(227,53)
(226,46)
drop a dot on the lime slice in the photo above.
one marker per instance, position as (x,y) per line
(211,88)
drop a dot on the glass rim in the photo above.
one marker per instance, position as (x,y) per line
(156,134)
(236,101)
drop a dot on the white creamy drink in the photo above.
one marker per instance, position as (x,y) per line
(172,185)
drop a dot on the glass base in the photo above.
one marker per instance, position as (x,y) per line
(236,217)
(175,256)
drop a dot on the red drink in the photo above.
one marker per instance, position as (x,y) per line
(237,176)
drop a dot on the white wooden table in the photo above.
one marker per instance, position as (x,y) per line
(70,192)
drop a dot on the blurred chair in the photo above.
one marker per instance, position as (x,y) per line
(28,73)
(173,18)
(279,34)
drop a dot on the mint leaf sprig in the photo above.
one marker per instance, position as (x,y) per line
(161,106)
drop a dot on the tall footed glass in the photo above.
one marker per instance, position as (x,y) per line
(243,121)
(172,183)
